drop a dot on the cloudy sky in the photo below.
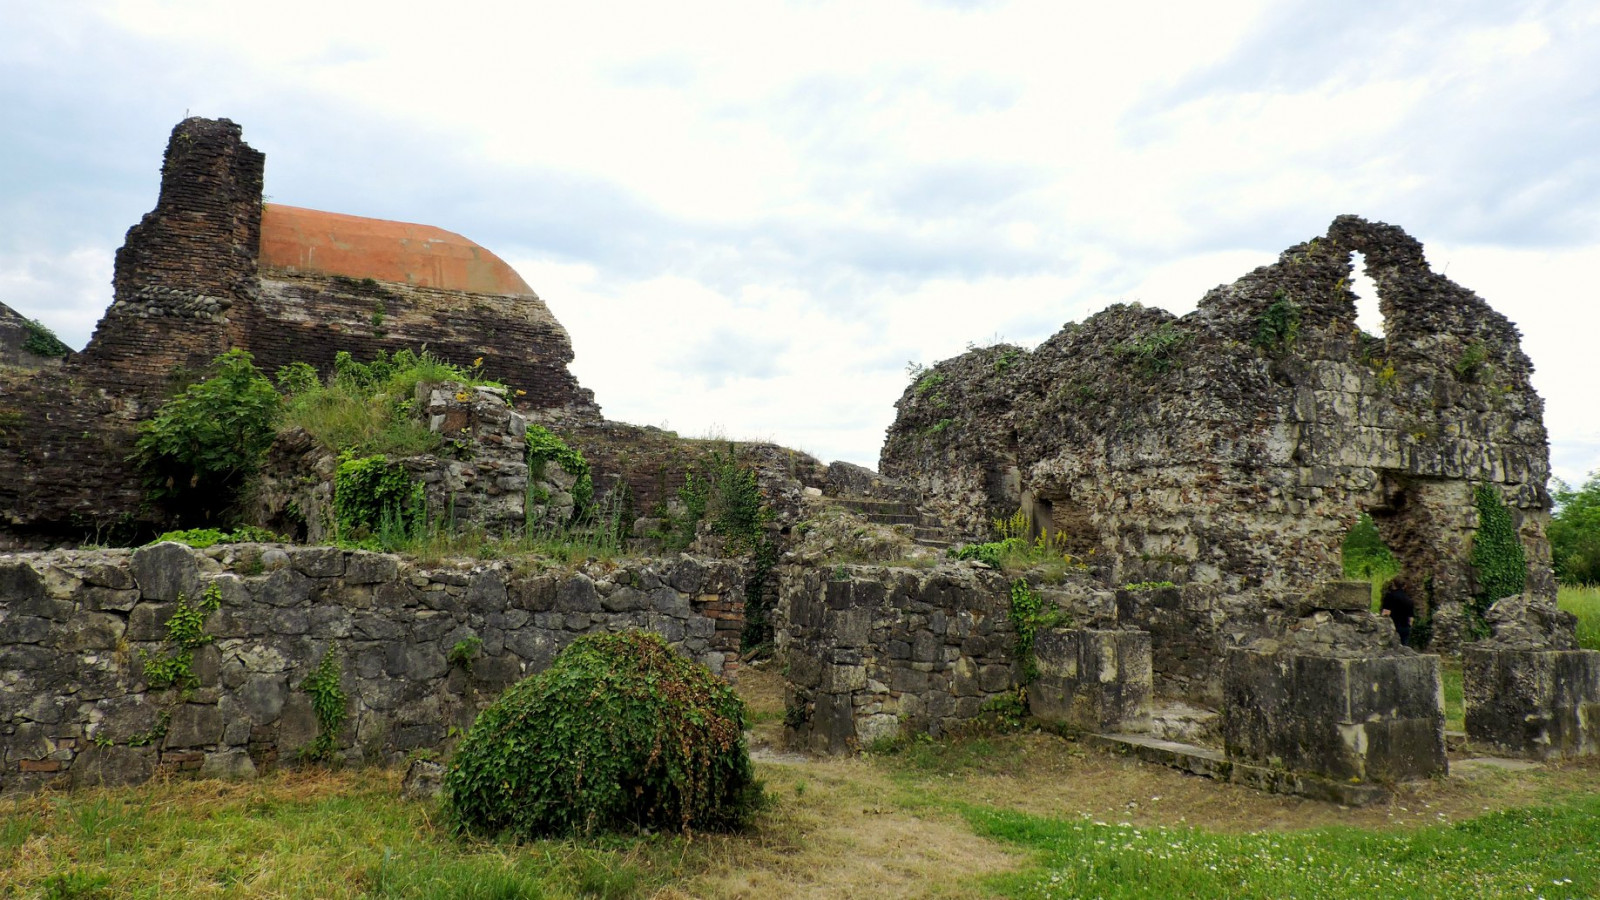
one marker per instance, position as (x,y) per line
(752,215)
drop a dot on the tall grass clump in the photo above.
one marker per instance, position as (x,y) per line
(619,734)
(367,408)
(1016,551)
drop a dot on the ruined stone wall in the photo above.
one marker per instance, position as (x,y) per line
(186,265)
(64,474)
(76,626)
(15,333)
(872,652)
(1234,447)
(479,477)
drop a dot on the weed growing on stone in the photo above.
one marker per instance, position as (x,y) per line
(1498,561)
(327,702)
(1155,351)
(198,449)
(201,538)
(366,408)
(1278,327)
(185,634)
(41,341)
(1046,555)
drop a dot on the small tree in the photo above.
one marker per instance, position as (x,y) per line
(202,445)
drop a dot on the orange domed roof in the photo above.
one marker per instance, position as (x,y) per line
(307,240)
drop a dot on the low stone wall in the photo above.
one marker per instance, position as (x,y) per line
(1543,704)
(420,650)
(873,652)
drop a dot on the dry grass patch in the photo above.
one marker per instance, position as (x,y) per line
(840,829)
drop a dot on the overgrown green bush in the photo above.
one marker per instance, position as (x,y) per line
(201,446)
(201,538)
(1498,560)
(1154,351)
(1575,532)
(1015,551)
(1278,327)
(369,408)
(619,734)
(41,341)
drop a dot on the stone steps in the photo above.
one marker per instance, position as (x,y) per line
(925,530)
(1213,764)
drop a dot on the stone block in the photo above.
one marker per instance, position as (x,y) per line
(1543,704)
(1092,680)
(193,725)
(317,562)
(363,567)
(1344,596)
(166,570)
(1377,718)
(228,764)
(113,766)
(284,588)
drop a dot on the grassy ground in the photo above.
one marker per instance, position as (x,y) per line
(1024,815)
(1583,602)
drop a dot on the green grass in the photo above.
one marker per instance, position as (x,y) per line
(323,836)
(1530,852)
(1454,705)
(1583,601)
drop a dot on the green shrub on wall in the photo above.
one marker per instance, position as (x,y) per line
(41,341)
(545,447)
(1500,566)
(619,734)
(202,445)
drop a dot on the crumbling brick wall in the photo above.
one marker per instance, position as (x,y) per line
(188,286)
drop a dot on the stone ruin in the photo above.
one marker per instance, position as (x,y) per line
(1204,469)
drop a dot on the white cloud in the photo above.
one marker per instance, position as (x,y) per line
(751,214)
(68,292)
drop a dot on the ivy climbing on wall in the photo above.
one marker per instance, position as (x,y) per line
(1498,561)
(373,495)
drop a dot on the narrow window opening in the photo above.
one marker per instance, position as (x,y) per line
(1369,317)
(1368,558)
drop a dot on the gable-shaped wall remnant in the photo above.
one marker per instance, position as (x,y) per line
(1230,450)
